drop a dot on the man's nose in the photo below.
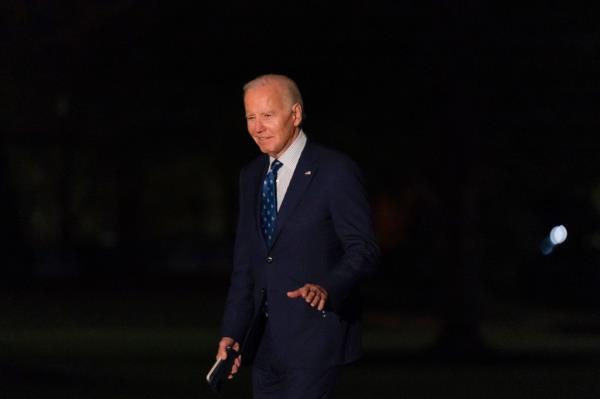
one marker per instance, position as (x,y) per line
(258,126)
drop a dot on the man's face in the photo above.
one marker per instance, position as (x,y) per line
(272,122)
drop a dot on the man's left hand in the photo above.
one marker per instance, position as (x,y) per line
(313,294)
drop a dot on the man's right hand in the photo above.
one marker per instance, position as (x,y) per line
(222,353)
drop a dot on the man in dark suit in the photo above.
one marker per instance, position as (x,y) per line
(304,241)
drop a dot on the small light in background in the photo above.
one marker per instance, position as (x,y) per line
(557,236)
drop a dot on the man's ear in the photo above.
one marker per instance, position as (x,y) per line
(297,114)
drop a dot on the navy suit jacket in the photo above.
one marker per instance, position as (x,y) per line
(323,235)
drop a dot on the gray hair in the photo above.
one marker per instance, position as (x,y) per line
(291,91)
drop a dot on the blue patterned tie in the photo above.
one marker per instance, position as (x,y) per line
(269,202)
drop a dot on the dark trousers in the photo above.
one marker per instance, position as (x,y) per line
(272,380)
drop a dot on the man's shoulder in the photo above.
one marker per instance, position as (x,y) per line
(331,157)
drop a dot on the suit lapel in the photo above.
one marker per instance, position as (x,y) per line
(303,174)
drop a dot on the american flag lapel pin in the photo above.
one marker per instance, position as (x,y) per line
(307,173)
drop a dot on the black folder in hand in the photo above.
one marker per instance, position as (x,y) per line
(221,370)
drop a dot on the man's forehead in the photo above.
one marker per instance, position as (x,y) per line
(268,97)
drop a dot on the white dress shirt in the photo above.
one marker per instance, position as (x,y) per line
(289,159)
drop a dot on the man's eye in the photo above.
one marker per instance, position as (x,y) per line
(268,115)
(251,117)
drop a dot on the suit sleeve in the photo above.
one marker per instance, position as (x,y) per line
(351,216)
(239,303)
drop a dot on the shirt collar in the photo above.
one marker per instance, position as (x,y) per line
(291,155)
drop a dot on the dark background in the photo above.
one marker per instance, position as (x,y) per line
(122,129)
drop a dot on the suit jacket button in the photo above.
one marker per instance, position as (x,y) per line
(269,259)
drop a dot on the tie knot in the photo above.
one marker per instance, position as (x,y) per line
(275,166)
